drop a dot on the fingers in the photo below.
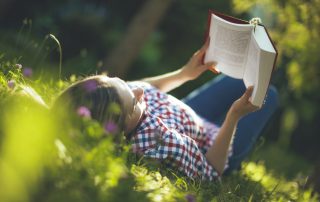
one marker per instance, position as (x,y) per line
(205,45)
(211,64)
(212,67)
(196,53)
(199,53)
(203,49)
(248,93)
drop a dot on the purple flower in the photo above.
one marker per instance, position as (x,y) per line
(90,85)
(27,72)
(110,127)
(84,112)
(190,198)
(11,84)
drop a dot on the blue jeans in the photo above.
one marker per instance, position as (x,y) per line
(213,100)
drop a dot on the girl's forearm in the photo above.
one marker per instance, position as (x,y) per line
(218,153)
(167,82)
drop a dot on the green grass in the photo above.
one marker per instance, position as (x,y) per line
(39,162)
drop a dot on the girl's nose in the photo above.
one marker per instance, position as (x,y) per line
(138,93)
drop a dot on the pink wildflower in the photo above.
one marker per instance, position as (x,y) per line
(84,112)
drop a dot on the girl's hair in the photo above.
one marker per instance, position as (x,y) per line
(96,95)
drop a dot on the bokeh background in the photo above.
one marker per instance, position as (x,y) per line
(139,38)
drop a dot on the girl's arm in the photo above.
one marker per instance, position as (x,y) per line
(190,71)
(217,154)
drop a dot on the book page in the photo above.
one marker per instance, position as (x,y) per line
(251,77)
(263,70)
(263,40)
(251,71)
(229,44)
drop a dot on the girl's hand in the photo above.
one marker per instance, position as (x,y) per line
(243,106)
(194,67)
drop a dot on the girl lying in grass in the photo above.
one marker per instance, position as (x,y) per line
(204,135)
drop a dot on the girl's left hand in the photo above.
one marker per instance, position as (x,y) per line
(243,106)
(194,67)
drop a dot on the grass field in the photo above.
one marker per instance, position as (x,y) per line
(41,162)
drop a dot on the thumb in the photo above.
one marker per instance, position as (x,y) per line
(212,67)
(210,64)
(248,93)
(205,45)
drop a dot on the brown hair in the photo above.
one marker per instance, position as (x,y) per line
(95,94)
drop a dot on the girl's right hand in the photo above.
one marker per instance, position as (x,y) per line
(194,67)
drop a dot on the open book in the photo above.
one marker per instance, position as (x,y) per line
(242,50)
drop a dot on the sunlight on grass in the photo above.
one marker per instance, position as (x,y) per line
(27,145)
(274,185)
(160,188)
(62,152)
(116,170)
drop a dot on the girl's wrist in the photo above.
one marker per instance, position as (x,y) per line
(234,115)
(183,74)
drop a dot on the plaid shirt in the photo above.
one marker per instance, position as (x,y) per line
(172,132)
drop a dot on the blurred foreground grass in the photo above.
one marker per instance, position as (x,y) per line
(39,162)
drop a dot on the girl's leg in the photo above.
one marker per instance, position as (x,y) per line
(250,128)
(213,99)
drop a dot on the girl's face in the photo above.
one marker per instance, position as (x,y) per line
(131,99)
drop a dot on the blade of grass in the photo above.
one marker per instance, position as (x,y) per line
(60,52)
